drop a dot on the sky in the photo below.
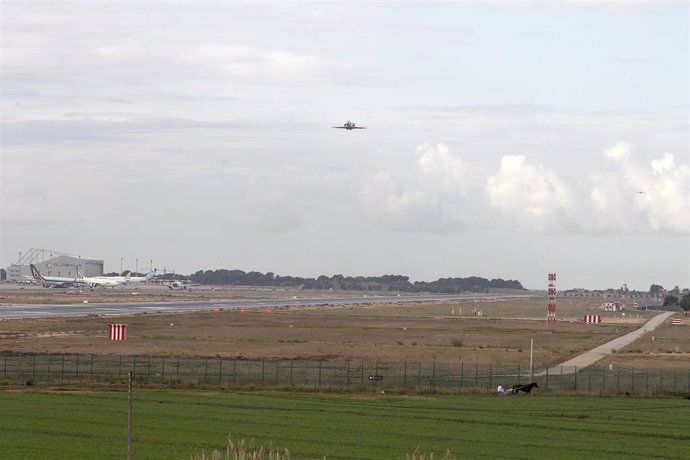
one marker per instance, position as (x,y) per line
(505,139)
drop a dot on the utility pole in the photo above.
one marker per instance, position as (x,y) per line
(531,361)
(129,419)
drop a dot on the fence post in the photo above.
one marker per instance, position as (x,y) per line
(419,375)
(433,376)
(404,385)
(348,376)
(488,387)
(675,380)
(575,380)
(590,380)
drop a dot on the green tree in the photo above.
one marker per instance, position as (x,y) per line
(670,301)
(685,304)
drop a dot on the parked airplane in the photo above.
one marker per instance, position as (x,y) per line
(102,281)
(54,281)
(349,125)
(140,279)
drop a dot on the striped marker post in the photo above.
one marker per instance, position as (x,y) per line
(117,331)
(677,322)
(592,319)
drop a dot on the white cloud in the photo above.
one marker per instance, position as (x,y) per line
(535,197)
(639,198)
(429,198)
(437,162)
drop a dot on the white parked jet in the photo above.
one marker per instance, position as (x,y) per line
(102,281)
(141,279)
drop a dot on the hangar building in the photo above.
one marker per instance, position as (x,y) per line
(53,263)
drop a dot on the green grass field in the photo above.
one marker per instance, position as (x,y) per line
(177,425)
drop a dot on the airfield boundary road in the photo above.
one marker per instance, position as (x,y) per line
(592,356)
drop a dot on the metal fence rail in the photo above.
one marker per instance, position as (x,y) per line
(433,377)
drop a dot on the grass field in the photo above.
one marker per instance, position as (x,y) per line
(174,425)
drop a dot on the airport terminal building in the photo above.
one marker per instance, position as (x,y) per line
(53,263)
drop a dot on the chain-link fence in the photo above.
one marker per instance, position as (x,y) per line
(21,369)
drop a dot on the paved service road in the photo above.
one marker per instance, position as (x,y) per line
(595,354)
(20,311)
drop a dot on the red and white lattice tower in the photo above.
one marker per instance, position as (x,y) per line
(551,309)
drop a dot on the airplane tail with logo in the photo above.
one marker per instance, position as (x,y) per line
(35,273)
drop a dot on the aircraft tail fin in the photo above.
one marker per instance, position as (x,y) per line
(35,273)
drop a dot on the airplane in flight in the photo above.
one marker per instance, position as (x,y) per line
(55,281)
(350,125)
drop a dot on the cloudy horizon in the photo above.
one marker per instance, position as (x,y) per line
(505,139)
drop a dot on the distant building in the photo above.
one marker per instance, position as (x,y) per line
(613,306)
(53,263)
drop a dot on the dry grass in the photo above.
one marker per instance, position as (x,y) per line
(244,451)
(432,331)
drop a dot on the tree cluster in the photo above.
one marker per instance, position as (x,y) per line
(391,283)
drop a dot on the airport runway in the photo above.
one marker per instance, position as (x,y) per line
(24,311)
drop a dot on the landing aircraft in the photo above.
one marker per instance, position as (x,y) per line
(55,281)
(350,125)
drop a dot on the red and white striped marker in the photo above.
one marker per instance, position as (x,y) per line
(592,319)
(676,322)
(117,331)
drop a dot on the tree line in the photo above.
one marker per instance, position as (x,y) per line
(391,283)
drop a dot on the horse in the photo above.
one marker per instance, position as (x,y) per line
(524,388)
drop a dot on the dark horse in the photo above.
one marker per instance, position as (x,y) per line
(524,388)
